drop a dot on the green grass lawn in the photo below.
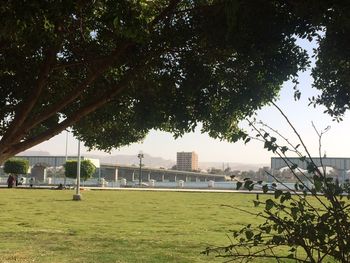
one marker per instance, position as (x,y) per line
(116,226)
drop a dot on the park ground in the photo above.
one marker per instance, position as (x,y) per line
(116,226)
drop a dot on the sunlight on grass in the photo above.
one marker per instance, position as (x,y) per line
(116,226)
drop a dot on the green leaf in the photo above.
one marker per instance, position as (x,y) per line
(311,168)
(265,188)
(268,229)
(269,204)
(116,23)
(278,193)
(248,185)
(249,234)
(303,158)
(286,196)
(284,149)
(329,179)
(294,211)
(317,184)
(297,95)
(290,256)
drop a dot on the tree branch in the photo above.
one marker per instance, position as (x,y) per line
(28,104)
(14,143)
(299,137)
(30,123)
(76,116)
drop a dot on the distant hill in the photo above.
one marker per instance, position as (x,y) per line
(154,162)
(233,166)
(148,160)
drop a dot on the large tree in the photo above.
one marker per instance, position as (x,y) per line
(113,70)
(16,166)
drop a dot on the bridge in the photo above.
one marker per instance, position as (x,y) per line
(341,164)
(115,172)
(131,174)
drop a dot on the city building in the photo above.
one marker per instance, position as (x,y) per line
(187,161)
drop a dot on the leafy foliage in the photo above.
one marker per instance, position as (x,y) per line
(16,166)
(87,169)
(311,220)
(113,70)
(332,69)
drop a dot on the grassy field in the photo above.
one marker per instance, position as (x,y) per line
(116,226)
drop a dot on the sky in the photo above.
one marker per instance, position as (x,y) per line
(335,142)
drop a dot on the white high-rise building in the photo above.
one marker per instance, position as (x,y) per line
(187,161)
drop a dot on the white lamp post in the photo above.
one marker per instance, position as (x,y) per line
(140,156)
(65,178)
(77,196)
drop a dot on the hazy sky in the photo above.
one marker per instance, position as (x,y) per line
(335,142)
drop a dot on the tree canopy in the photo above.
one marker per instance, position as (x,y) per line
(113,70)
(16,166)
(87,169)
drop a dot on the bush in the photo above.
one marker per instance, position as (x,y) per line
(301,224)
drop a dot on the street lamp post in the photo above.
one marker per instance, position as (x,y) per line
(77,196)
(65,178)
(140,156)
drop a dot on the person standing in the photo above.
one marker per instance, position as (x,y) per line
(11,181)
(31,181)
